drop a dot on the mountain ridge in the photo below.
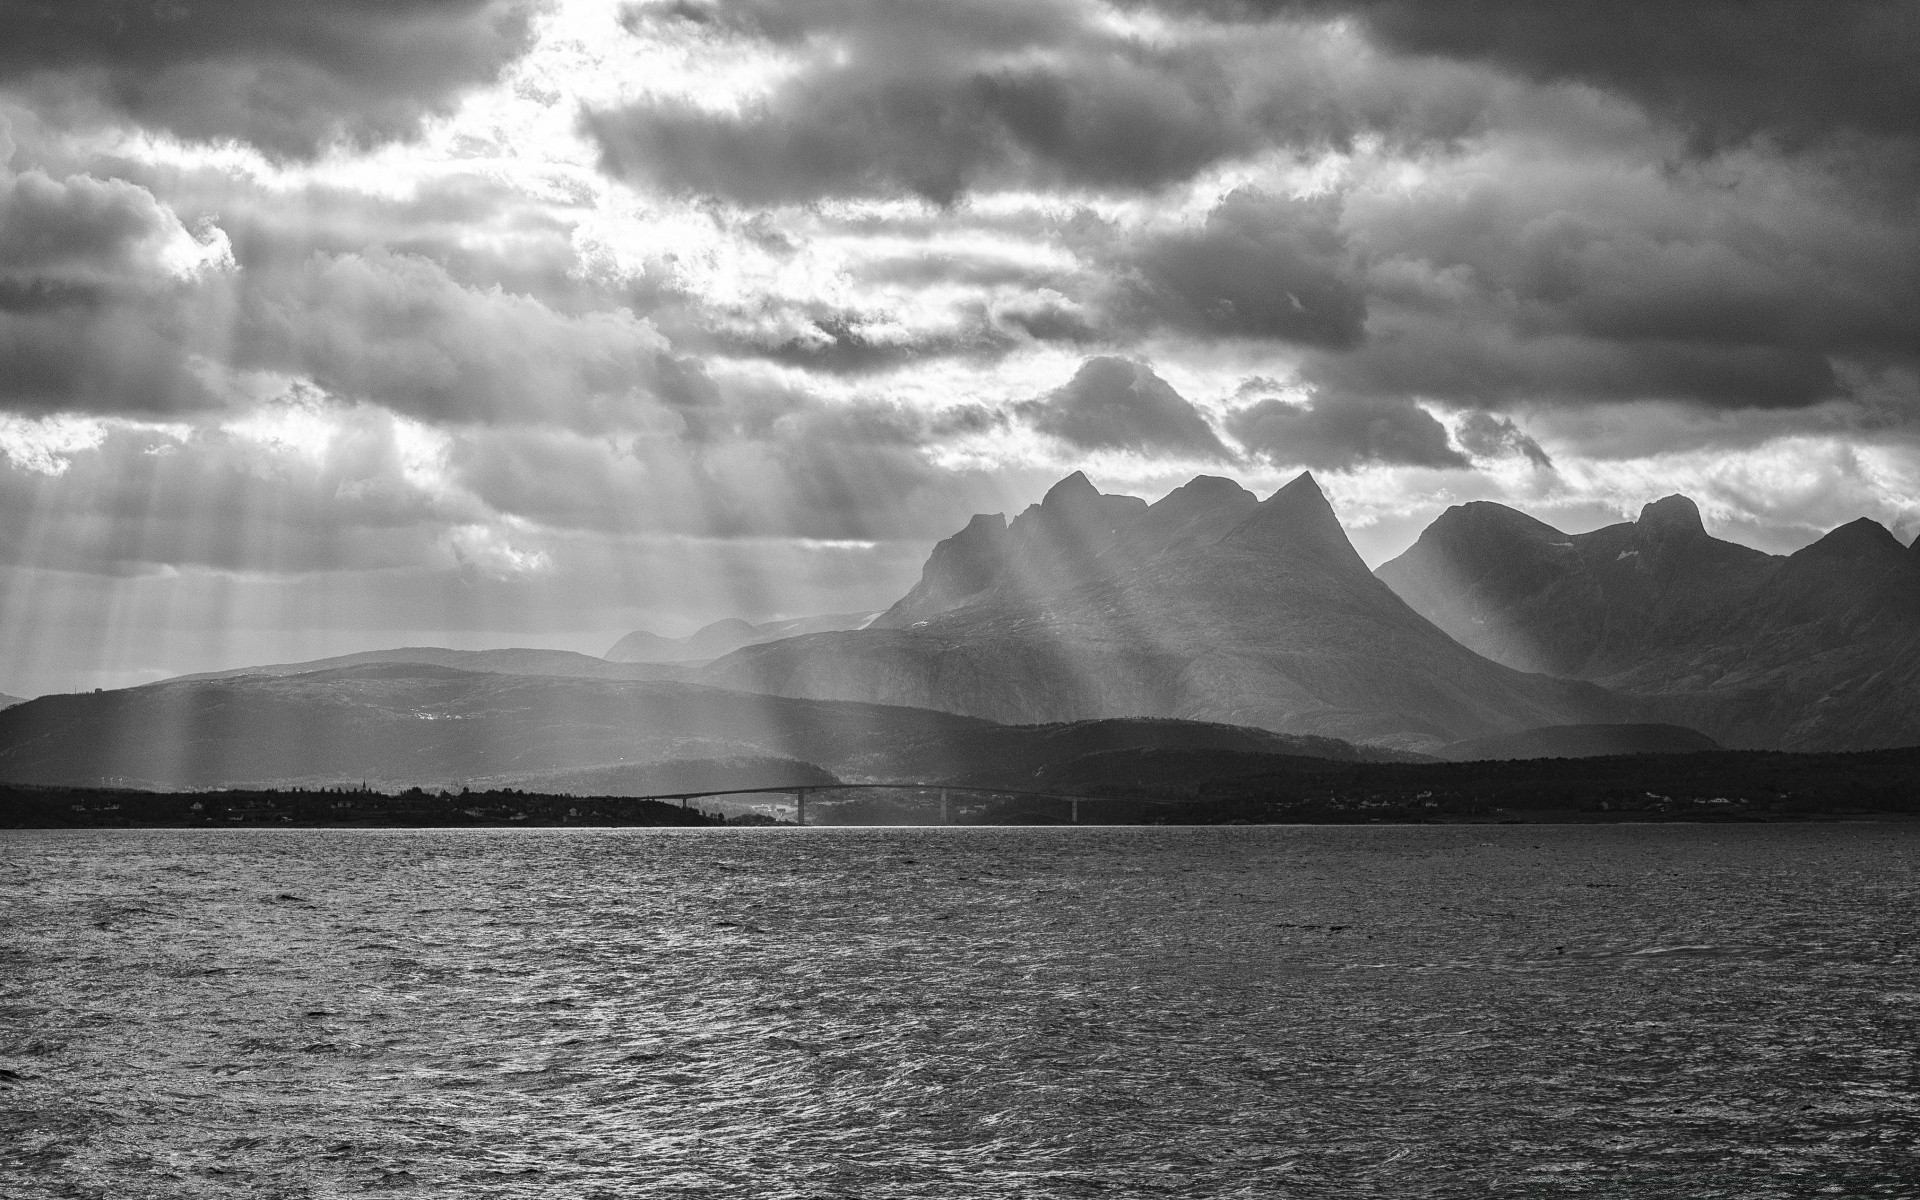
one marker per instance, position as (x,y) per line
(723,636)
(1810,651)
(1208,605)
(419,724)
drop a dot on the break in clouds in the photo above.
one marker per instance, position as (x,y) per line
(619,314)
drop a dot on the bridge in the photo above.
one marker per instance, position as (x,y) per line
(799,794)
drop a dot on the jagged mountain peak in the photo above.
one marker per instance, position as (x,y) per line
(1672,514)
(1073,487)
(1300,501)
(1864,538)
(1297,520)
(1075,503)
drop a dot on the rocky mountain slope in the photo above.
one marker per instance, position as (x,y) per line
(721,637)
(1208,605)
(1818,650)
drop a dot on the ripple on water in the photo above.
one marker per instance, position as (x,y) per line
(1602,1011)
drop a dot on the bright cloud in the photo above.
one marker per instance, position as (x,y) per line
(617,312)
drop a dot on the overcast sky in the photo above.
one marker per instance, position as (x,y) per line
(481,322)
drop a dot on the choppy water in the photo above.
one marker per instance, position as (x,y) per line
(1486,1011)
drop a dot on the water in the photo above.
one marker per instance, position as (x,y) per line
(1391,1011)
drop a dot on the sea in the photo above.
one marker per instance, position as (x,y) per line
(1453,1011)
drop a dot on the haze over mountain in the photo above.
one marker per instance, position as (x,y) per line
(1206,605)
(415,724)
(1819,649)
(520,660)
(1208,623)
(721,637)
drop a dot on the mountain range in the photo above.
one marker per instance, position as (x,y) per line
(1208,625)
(564,664)
(721,637)
(1816,650)
(401,724)
(1209,605)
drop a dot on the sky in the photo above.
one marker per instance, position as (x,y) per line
(493,322)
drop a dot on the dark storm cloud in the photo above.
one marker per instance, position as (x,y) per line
(1342,434)
(1260,266)
(1725,69)
(96,310)
(1461,364)
(934,99)
(917,103)
(288,76)
(1114,404)
(1489,436)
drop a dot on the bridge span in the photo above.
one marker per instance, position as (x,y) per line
(799,793)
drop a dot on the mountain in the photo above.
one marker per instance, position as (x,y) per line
(1208,605)
(512,661)
(719,638)
(1818,650)
(7,701)
(415,724)
(1582,606)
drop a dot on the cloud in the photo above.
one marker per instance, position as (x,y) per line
(881,98)
(1344,434)
(1520,278)
(1114,404)
(1486,435)
(397,330)
(104,295)
(1260,266)
(1724,69)
(288,76)
(888,112)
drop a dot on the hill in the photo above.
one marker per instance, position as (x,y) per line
(398,725)
(1581,741)
(721,637)
(563,664)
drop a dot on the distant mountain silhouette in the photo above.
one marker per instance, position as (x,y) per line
(721,637)
(7,701)
(1581,741)
(414,724)
(1818,650)
(513,661)
(1207,605)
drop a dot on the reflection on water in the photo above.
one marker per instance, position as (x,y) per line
(1509,1011)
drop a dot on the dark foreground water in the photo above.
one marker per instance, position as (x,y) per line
(1618,1011)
